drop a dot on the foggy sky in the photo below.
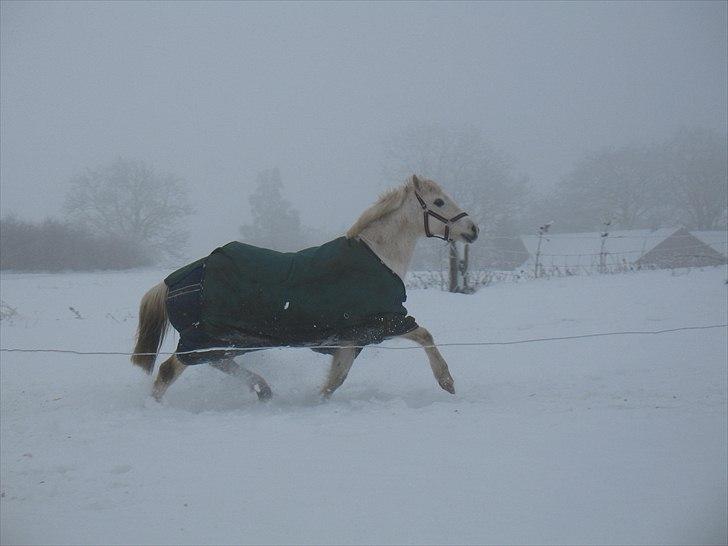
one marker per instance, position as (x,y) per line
(216,92)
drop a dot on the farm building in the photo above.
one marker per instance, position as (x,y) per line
(717,240)
(661,249)
(681,249)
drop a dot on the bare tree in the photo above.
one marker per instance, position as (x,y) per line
(130,200)
(683,180)
(479,177)
(619,184)
(695,165)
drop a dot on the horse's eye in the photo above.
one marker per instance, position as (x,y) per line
(439,202)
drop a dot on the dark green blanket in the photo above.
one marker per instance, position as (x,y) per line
(242,296)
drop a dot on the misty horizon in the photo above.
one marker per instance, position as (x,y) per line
(217,92)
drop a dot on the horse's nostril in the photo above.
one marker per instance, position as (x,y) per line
(474,229)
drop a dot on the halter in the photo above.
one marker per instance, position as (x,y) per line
(427,213)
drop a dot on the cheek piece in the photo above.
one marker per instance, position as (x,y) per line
(448,222)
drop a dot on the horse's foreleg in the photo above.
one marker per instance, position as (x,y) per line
(256,383)
(422,337)
(170,370)
(340,365)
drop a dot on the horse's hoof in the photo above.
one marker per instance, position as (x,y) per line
(447,384)
(263,391)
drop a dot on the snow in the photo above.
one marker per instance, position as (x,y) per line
(601,440)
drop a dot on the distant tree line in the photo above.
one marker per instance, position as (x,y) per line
(119,216)
(680,181)
(127,214)
(55,245)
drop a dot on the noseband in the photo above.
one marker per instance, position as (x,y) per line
(427,213)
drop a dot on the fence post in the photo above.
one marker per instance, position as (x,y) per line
(442,272)
(602,253)
(453,259)
(464,267)
(542,231)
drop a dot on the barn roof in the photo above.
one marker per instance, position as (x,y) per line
(681,249)
(717,240)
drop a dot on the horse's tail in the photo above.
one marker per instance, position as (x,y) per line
(153,323)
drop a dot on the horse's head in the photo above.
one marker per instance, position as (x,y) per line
(441,216)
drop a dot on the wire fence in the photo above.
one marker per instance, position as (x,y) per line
(233,349)
(685,248)
(603,262)
(481,278)
(518,258)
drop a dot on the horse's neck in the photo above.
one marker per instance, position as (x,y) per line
(393,241)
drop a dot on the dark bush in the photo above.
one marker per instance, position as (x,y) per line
(54,245)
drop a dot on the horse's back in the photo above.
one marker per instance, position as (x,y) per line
(283,286)
(291,270)
(258,264)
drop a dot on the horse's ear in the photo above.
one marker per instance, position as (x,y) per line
(416,182)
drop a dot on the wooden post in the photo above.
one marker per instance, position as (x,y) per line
(602,253)
(453,287)
(542,231)
(464,267)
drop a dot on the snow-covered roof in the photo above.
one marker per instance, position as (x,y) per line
(717,240)
(583,249)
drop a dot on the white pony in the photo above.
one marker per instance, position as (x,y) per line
(390,228)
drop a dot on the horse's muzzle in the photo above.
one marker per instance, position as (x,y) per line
(473,235)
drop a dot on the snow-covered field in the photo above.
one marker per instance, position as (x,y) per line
(612,440)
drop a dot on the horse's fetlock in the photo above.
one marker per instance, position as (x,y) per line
(157,393)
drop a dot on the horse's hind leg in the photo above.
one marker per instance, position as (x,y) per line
(256,383)
(170,370)
(340,366)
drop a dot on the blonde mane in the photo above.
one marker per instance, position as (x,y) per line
(389,201)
